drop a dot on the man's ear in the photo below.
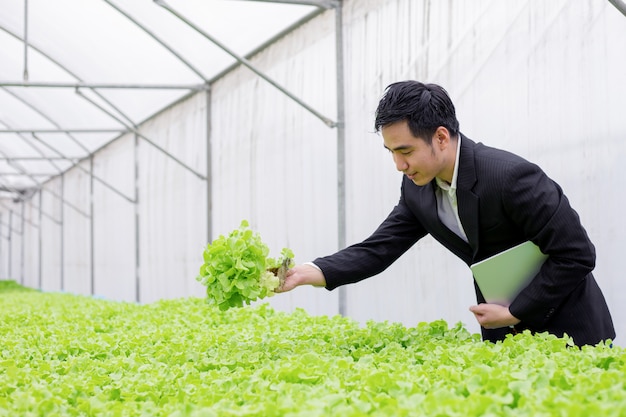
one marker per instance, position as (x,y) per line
(442,137)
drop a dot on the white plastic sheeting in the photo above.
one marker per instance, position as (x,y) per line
(176,198)
(114,222)
(543,79)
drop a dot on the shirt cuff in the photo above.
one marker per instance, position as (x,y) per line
(313,265)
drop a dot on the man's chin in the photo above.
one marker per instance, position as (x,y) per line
(420,182)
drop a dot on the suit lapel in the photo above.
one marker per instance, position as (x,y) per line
(467,200)
(436,228)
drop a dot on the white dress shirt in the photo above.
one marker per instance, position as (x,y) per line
(447,206)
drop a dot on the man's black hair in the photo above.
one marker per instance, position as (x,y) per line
(425,107)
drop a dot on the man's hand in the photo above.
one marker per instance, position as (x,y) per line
(493,316)
(302,275)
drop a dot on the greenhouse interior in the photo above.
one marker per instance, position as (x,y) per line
(137,135)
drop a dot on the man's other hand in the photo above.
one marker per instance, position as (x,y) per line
(493,316)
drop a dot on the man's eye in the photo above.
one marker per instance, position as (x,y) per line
(406,153)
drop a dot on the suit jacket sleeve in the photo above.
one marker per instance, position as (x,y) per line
(394,236)
(537,204)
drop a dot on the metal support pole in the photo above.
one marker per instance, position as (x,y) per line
(92,281)
(40,243)
(22,245)
(209,167)
(10,252)
(341,149)
(25,75)
(136,206)
(1,252)
(62,235)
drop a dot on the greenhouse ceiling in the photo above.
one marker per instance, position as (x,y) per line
(77,74)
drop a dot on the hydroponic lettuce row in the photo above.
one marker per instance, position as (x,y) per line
(67,355)
(237,268)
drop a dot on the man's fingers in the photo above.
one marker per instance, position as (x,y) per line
(476,309)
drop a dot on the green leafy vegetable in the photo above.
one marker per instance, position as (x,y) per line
(65,355)
(8,285)
(237,268)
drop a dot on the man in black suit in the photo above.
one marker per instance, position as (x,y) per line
(476,201)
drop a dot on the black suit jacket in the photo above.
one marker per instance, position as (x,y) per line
(503,200)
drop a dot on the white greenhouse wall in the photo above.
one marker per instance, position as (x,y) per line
(77,230)
(114,222)
(32,246)
(172,208)
(52,235)
(11,239)
(542,79)
(274,163)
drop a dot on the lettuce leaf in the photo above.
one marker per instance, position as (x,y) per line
(237,268)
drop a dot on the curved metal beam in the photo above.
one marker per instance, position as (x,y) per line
(44,115)
(194,87)
(25,76)
(619,5)
(144,137)
(130,127)
(159,40)
(58,63)
(43,213)
(61,130)
(38,186)
(70,72)
(74,164)
(324,4)
(78,166)
(247,63)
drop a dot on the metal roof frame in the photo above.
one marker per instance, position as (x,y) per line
(133,127)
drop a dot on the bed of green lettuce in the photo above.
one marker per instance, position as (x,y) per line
(69,355)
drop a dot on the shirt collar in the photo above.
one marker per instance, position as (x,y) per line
(452,186)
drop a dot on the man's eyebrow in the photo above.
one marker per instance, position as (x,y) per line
(398,148)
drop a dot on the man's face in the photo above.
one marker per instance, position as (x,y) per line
(419,161)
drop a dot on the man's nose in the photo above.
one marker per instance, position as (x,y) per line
(400,162)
